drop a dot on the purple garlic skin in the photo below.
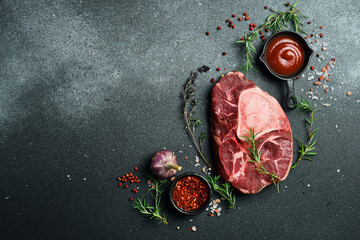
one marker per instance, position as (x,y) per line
(164,164)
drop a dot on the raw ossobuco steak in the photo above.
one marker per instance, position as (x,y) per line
(238,105)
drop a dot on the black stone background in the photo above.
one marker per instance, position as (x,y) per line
(90,89)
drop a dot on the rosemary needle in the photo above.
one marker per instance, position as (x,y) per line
(307,148)
(255,156)
(225,190)
(149,211)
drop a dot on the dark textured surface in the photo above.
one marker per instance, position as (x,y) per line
(89,89)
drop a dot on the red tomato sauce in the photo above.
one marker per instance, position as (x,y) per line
(285,55)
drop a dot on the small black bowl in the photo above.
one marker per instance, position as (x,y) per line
(198,210)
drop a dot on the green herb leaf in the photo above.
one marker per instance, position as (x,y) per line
(307,147)
(226,191)
(144,208)
(255,155)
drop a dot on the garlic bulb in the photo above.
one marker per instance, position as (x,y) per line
(164,164)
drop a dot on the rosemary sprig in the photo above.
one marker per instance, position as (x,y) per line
(226,191)
(307,149)
(275,22)
(149,211)
(255,155)
(190,120)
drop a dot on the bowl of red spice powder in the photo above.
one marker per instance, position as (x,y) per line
(190,193)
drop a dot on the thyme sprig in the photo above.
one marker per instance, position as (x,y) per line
(277,21)
(191,121)
(225,190)
(307,148)
(255,154)
(147,210)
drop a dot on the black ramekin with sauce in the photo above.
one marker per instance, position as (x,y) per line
(190,193)
(286,55)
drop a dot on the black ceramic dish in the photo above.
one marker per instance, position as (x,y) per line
(198,210)
(289,79)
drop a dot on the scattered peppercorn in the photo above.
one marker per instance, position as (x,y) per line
(264,39)
(321,27)
(251,28)
(223,53)
(240,18)
(309,22)
(126,186)
(207,33)
(233,15)
(119,184)
(251,25)
(321,35)
(348,93)
(245,13)
(247,18)
(212,80)
(231,22)
(266,30)
(266,7)
(118,178)
(287,4)
(242,39)
(262,36)
(325,90)
(255,25)
(261,32)
(312,67)
(227,20)
(131,199)
(218,69)
(233,26)
(219,27)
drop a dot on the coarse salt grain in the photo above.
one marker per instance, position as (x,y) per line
(338,170)
(197,159)
(197,164)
